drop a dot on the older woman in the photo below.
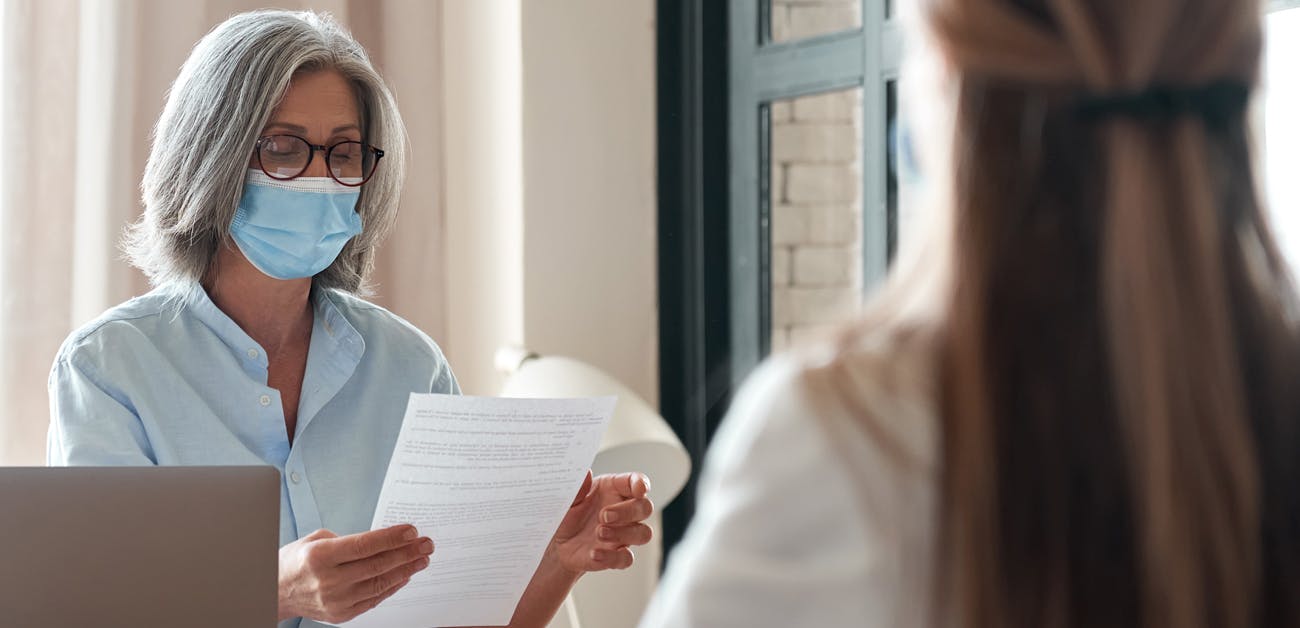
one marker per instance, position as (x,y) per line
(275,172)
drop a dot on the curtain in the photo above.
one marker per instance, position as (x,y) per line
(83,82)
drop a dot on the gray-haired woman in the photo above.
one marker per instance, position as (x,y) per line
(275,171)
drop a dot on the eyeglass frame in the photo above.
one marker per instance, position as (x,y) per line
(311,154)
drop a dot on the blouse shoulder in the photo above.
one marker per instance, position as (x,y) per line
(398,338)
(816,498)
(873,400)
(125,324)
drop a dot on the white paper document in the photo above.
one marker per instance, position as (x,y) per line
(489,480)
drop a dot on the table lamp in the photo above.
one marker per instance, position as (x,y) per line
(638,439)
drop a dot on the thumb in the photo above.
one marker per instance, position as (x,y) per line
(583,492)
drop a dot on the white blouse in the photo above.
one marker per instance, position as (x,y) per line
(808,518)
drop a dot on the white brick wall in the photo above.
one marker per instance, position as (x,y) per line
(809,183)
(832,224)
(798,19)
(802,305)
(819,19)
(816,187)
(789,226)
(823,265)
(782,111)
(829,107)
(814,142)
(780,266)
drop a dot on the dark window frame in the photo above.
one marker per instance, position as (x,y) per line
(692,156)
(714,226)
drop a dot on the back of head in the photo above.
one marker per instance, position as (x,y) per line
(1116,352)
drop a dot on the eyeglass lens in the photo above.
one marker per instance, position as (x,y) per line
(287,156)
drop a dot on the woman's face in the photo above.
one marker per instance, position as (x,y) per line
(320,107)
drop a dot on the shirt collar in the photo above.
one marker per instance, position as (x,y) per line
(336,325)
(341,336)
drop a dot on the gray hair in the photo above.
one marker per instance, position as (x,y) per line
(223,97)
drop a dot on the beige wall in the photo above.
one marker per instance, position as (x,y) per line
(483,119)
(410,275)
(578,149)
(589,185)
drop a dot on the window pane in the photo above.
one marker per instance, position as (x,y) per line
(800,19)
(1282,129)
(815,204)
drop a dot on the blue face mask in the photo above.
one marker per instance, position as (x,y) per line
(294,229)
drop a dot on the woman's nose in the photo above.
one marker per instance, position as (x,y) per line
(319,166)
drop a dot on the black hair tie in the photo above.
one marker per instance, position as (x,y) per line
(1217,103)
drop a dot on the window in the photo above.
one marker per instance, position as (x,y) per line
(776,215)
(1281,126)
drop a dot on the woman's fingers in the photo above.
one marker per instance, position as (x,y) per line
(636,534)
(620,558)
(384,562)
(383,585)
(631,484)
(369,603)
(630,511)
(352,547)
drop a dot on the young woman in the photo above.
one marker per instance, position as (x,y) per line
(1076,404)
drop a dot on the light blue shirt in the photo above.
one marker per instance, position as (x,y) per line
(169,379)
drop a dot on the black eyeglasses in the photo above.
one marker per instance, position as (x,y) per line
(285,157)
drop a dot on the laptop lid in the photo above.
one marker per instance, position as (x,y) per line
(139,546)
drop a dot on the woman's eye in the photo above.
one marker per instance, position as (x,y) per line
(282,155)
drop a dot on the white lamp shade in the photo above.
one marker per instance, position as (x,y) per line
(638,439)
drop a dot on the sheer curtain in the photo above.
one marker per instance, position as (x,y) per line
(83,82)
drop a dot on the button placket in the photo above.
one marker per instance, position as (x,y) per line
(301,500)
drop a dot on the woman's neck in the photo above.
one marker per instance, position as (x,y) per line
(275,313)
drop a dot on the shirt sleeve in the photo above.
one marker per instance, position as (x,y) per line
(776,539)
(444,380)
(91,423)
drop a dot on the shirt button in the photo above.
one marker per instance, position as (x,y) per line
(294,477)
(265,400)
(252,354)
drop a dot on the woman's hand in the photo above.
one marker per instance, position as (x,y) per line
(603,523)
(334,578)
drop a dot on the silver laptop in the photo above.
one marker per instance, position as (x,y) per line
(139,546)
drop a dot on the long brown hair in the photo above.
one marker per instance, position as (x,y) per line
(1119,368)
